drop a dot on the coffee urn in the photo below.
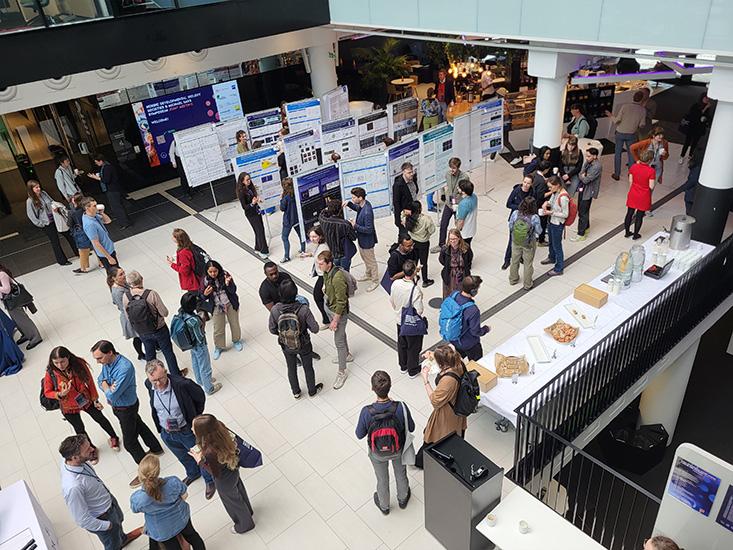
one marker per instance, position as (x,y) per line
(680,232)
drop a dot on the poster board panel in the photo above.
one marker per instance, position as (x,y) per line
(369,173)
(200,154)
(262,167)
(264,126)
(335,104)
(304,115)
(311,191)
(302,151)
(402,117)
(339,136)
(436,149)
(492,125)
(372,129)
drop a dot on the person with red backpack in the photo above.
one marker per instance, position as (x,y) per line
(558,209)
(588,189)
(525,229)
(388,427)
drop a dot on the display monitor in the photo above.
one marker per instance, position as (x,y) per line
(725,514)
(158,118)
(693,486)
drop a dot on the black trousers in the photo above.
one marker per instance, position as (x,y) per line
(691,141)
(132,427)
(543,223)
(116,201)
(474,354)
(408,352)
(189,534)
(423,253)
(105,262)
(445,218)
(583,216)
(255,220)
(306,358)
(53,236)
(320,299)
(639,218)
(78,424)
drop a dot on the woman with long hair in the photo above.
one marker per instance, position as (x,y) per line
(222,302)
(163,502)
(290,217)
(76,228)
(242,145)
(420,227)
(250,201)
(443,421)
(571,161)
(456,258)
(218,452)
(318,240)
(41,211)
(69,380)
(184,263)
(117,283)
(27,328)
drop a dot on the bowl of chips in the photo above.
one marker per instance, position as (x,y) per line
(562,332)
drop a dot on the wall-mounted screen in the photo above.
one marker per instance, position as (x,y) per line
(158,118)
(725,514)
(693,486)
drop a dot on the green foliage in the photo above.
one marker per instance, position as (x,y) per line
(379,65)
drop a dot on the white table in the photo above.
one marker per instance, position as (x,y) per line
(23,519)
(585,143)
(547,529)
(505,397)
(402,81)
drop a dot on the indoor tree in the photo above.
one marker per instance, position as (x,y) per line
(379,65)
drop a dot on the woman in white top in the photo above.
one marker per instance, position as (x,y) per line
(558,208)
(40,209)
(318,242)
(403,292)
(65,177)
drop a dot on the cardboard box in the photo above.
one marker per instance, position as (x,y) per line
(486,379)
(591,295)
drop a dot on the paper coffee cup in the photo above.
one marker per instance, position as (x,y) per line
(491,520)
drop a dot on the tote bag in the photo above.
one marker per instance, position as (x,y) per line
(411,323)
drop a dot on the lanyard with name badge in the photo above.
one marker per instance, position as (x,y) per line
(171,423)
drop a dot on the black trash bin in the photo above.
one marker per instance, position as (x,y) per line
(635,451)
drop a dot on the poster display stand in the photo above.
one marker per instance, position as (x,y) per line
(402,117)
(372,129)
(302,151)
(369,173)
(311,191)
(262,167)
(436,149)
(264,126)
(304,115)
(339,136)
(462,142)
(492,126)
(226,133)
(335,104)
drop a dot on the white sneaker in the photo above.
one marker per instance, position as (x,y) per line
(340,380)
(435,249)
(373,286)
(515,161)
(681,161)
(364,279)
(349,359)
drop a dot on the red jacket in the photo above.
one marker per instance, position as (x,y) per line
(68,403)
(184,265)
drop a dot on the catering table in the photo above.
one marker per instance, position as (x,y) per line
(23,519)
(506,396)
(548,530)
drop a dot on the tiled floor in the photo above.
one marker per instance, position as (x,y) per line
(315,488)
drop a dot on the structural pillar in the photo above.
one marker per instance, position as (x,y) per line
(662,399)
(321,62)
(714,194)
(551,70)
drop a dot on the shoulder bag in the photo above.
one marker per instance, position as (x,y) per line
(412,324)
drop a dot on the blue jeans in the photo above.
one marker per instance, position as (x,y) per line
(343,262)
(114,537)
(161,338)
(179,443)
(555,233)
(201,366)
(622,139)
(286,238)
(430,201)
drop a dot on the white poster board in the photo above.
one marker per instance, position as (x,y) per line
(402,117)
(301,151)
(492,125)
(226,133)
(462,141)
(339,136)
(262,167)
(370,173)
(436,149)
(304,115)
(200,154)
(372,129)
(407,150)
(311,191)
(475,117)
(264,126)
(335,104)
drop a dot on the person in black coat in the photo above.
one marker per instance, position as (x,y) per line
(109,182)
(541,193)
(456,258)
(518,194)
(404,193)
(699,117)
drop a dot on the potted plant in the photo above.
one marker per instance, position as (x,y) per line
(379,66)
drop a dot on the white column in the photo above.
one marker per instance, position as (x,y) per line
(717,165)
(662,399)
(322,62)
(551,70)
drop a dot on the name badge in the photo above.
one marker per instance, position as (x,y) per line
(171,425)
(81,401)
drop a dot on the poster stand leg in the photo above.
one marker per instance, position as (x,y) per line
(487,191)
(216,205)
(269,232)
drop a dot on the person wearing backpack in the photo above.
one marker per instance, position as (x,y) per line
(525,229)
(191,328)
(290,320)
(406,295)
(184,262)
(579,125)
(443,420)
(336,288)
(518,194)
(588,189)
(388,427)
(460,320)
(147,312)
(557,208)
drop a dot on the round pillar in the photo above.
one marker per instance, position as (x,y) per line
(549,111)
(322,62)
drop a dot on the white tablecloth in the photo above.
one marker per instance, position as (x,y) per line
(505,397)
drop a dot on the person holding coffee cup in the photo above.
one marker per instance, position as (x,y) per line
(93,223)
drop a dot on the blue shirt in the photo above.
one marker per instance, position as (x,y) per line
(86,496)
(169,411)
(165,518)
(94,229)
(121,373)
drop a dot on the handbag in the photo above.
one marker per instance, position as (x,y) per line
(18,297)
(411,323)
(249,456)
(684,126)
(408,449)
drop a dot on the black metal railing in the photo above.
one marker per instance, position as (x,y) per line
(612,510)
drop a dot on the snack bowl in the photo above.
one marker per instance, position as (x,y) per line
(562,332)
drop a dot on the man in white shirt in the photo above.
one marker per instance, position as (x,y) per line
(89,501)
(403,292)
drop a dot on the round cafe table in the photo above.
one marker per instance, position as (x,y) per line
(584,143)
(402,81)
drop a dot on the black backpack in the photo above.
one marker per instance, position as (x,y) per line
(200,258)
(592,126)
(289,331)
(469,392)
(383,434)
(142,317)
(46,403)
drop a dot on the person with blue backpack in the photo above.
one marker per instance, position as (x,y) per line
(187,331)
(460,320)
(524,228)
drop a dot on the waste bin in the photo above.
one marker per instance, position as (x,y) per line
(635,451)
(456,499)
